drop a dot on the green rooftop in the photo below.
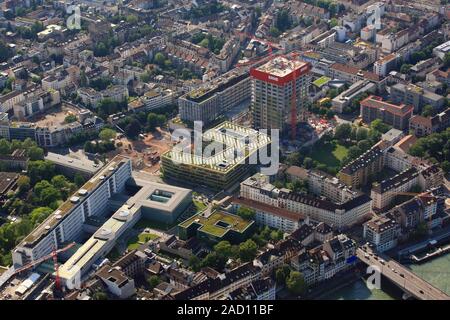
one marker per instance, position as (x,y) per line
(217,223)
(321,81)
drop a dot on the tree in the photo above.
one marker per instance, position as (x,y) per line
(281,274)
(5,52)
(379,126)
(334,22)
(35,153)
(308,163)
(38,215)
(78,180)
(248,250)
(405,68)
(195,263)
(427,111)
(23,183)
(223,248)
(159,59)
(133,129)
(152,121)
(214,260)
(295,283)
(361,133)
(153,281)
(343,131)
(40,170)
(132,19)
(354,152)
(274,32)
(49,195)
(100,295)
(70,118)
(5,147)
(107,134)
(246,213)
(364,145)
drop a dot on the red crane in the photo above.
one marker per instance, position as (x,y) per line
(54,255)
(294,56)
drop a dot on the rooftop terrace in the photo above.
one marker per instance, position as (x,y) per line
(217,223)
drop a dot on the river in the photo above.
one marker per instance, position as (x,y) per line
(435,271)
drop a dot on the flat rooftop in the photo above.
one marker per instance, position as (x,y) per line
(63,210)
(71,162)
(240,143)
(123,219)
(158,196)
(217,223)
(281,66)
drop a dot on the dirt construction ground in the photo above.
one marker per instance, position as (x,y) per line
(146,151)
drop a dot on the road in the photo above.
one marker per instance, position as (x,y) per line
(403,277)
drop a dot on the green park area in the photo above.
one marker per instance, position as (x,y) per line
(136,241)
(329,154)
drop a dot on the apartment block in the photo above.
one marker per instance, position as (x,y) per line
(382,232)
(415,96)
(322,184)
(398,116)
(423,126)
(338,215)
(357,172)
(383,193)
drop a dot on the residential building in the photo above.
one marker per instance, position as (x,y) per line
(382,233)
(263,289)
(117,282)
(395,115)
(413,95)
(424,126)
(221,285)
(322,184)
(324,262)
(357,172)
(358,88)
(338,215)
(383,193)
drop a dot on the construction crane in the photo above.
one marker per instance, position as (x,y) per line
(53,255)
(294,56)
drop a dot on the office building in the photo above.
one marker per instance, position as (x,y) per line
(216,226)
(216,97)
(232,147)
(272,90)
(65,224)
